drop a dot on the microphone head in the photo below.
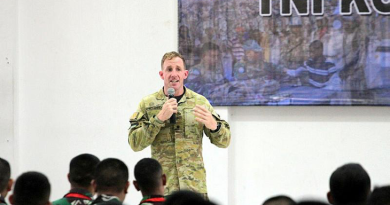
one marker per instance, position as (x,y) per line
(171,92)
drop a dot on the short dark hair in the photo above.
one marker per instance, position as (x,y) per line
(279,198)
(186,197)
(350,183)
(31,188)
(312,202)
(82,169)
(111,175)
(317,44)
(380,196)
(170,56)
(148,173)
(5,174)
(209,46)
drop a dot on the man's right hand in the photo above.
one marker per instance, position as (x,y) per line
(169,107)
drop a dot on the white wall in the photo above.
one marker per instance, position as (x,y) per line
(83,66)
(8,62)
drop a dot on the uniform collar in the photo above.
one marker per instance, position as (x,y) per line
(188,95)
(80,191)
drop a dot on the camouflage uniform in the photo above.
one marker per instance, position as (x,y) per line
(178,147)
(75,196)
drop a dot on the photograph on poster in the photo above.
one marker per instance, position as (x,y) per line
(286,52)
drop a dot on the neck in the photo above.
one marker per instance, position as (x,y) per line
(159,191)
(89,188)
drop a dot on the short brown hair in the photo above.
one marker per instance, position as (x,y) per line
(171,55)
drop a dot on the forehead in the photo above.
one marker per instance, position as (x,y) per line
(174,62)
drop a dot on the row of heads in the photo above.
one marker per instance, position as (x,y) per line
(109,175)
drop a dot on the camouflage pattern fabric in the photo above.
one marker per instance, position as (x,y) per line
(178,147)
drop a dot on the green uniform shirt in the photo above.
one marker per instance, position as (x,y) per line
(106,200)
(152,200)
(75,196)
(177,147)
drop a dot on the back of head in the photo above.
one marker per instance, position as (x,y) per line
(148,173)
(186,198)
(82,169)
(31,188)
(311,202)
(111,175)
(350,183)
(380,196)
(5,174)
(279,200)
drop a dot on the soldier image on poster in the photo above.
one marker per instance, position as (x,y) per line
(209,72)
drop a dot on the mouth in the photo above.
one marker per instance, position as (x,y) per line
(174,81)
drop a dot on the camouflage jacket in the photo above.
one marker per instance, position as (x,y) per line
(178,147)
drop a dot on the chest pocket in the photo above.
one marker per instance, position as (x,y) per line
(164,134)
(193,130)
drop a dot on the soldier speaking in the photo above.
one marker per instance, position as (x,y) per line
(178,146)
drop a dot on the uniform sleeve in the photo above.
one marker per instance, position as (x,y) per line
(143,129)
(220,138)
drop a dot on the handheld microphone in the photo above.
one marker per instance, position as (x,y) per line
(171,94)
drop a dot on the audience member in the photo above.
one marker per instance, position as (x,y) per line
(5,180)
(349,184)
(111,182)
(185,197)
(150,180)
(380,196)
(31,188)
(311,202)
(208,71)
(279,200)
(80,176)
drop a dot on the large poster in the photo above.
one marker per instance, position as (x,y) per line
(287,52)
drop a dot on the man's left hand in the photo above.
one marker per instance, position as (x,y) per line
(204,116)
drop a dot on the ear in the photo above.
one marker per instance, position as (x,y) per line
(330,198)
(164,179)
(135,183)
(185,74)
(93,182)
(10,183)
(11,199)
(161,73)
(68,176)
(127,186)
